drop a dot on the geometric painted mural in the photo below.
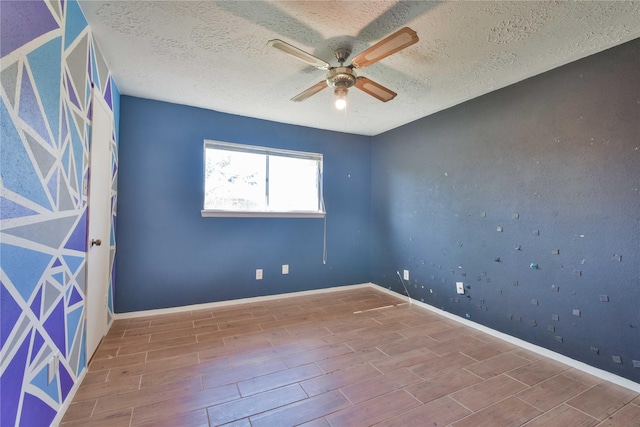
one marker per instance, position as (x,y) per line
(50,63)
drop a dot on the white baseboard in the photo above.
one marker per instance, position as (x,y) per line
(65,405)
(219,304)
(596,372)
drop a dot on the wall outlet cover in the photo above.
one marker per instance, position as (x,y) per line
(405,275)
(285,268)
(259,274)
(460,287)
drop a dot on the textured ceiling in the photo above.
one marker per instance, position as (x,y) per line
(213,54)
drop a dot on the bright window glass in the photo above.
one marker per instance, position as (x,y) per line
(242,179)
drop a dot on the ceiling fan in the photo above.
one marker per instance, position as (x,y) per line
(342,77)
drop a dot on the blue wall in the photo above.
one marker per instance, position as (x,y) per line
(555,162)
(168,255)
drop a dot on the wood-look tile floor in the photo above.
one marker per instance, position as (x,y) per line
(346,358)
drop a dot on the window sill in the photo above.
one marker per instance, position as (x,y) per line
(246,214)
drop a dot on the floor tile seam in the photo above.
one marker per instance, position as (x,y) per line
(403,412)
(623,404)
(248,416)
(385,417)
(505,372)
(522,382)
(124,345)
(570,379)
(92,417)
(334,371)
(276,356)
(301,400)
(478,376)
(168,400)
(228,340)
(128,329)
(79,398)
(165,325)
(618,410)
(580,394)
(145,370)
(95,403)
(533,404)
(155,349)
(583,412)
(556,407)
(503,399)
(281,385)
(318,360)
(144,390)
(182,377)
(171,321)
(600,380)
(471,411)
(477,361)
(237,381)
(381,374)
(466,387)
(573,407)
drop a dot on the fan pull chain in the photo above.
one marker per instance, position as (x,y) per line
(324,236)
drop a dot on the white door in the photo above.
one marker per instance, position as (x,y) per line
(99,223)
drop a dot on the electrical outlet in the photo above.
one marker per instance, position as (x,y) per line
(259,274)
(405,275)
(285,268)
(460,287)
(52,368)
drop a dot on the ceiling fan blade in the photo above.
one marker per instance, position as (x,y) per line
(375,89)
(299,54)
(310,92)
(402,38)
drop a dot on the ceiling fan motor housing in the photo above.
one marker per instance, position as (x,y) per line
(341,77)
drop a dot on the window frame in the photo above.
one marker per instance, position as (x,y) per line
(267,151)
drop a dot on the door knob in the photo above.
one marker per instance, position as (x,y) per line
(96,242)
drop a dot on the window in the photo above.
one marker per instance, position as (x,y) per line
(244,180)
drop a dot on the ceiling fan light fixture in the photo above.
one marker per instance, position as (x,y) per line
(341,92)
